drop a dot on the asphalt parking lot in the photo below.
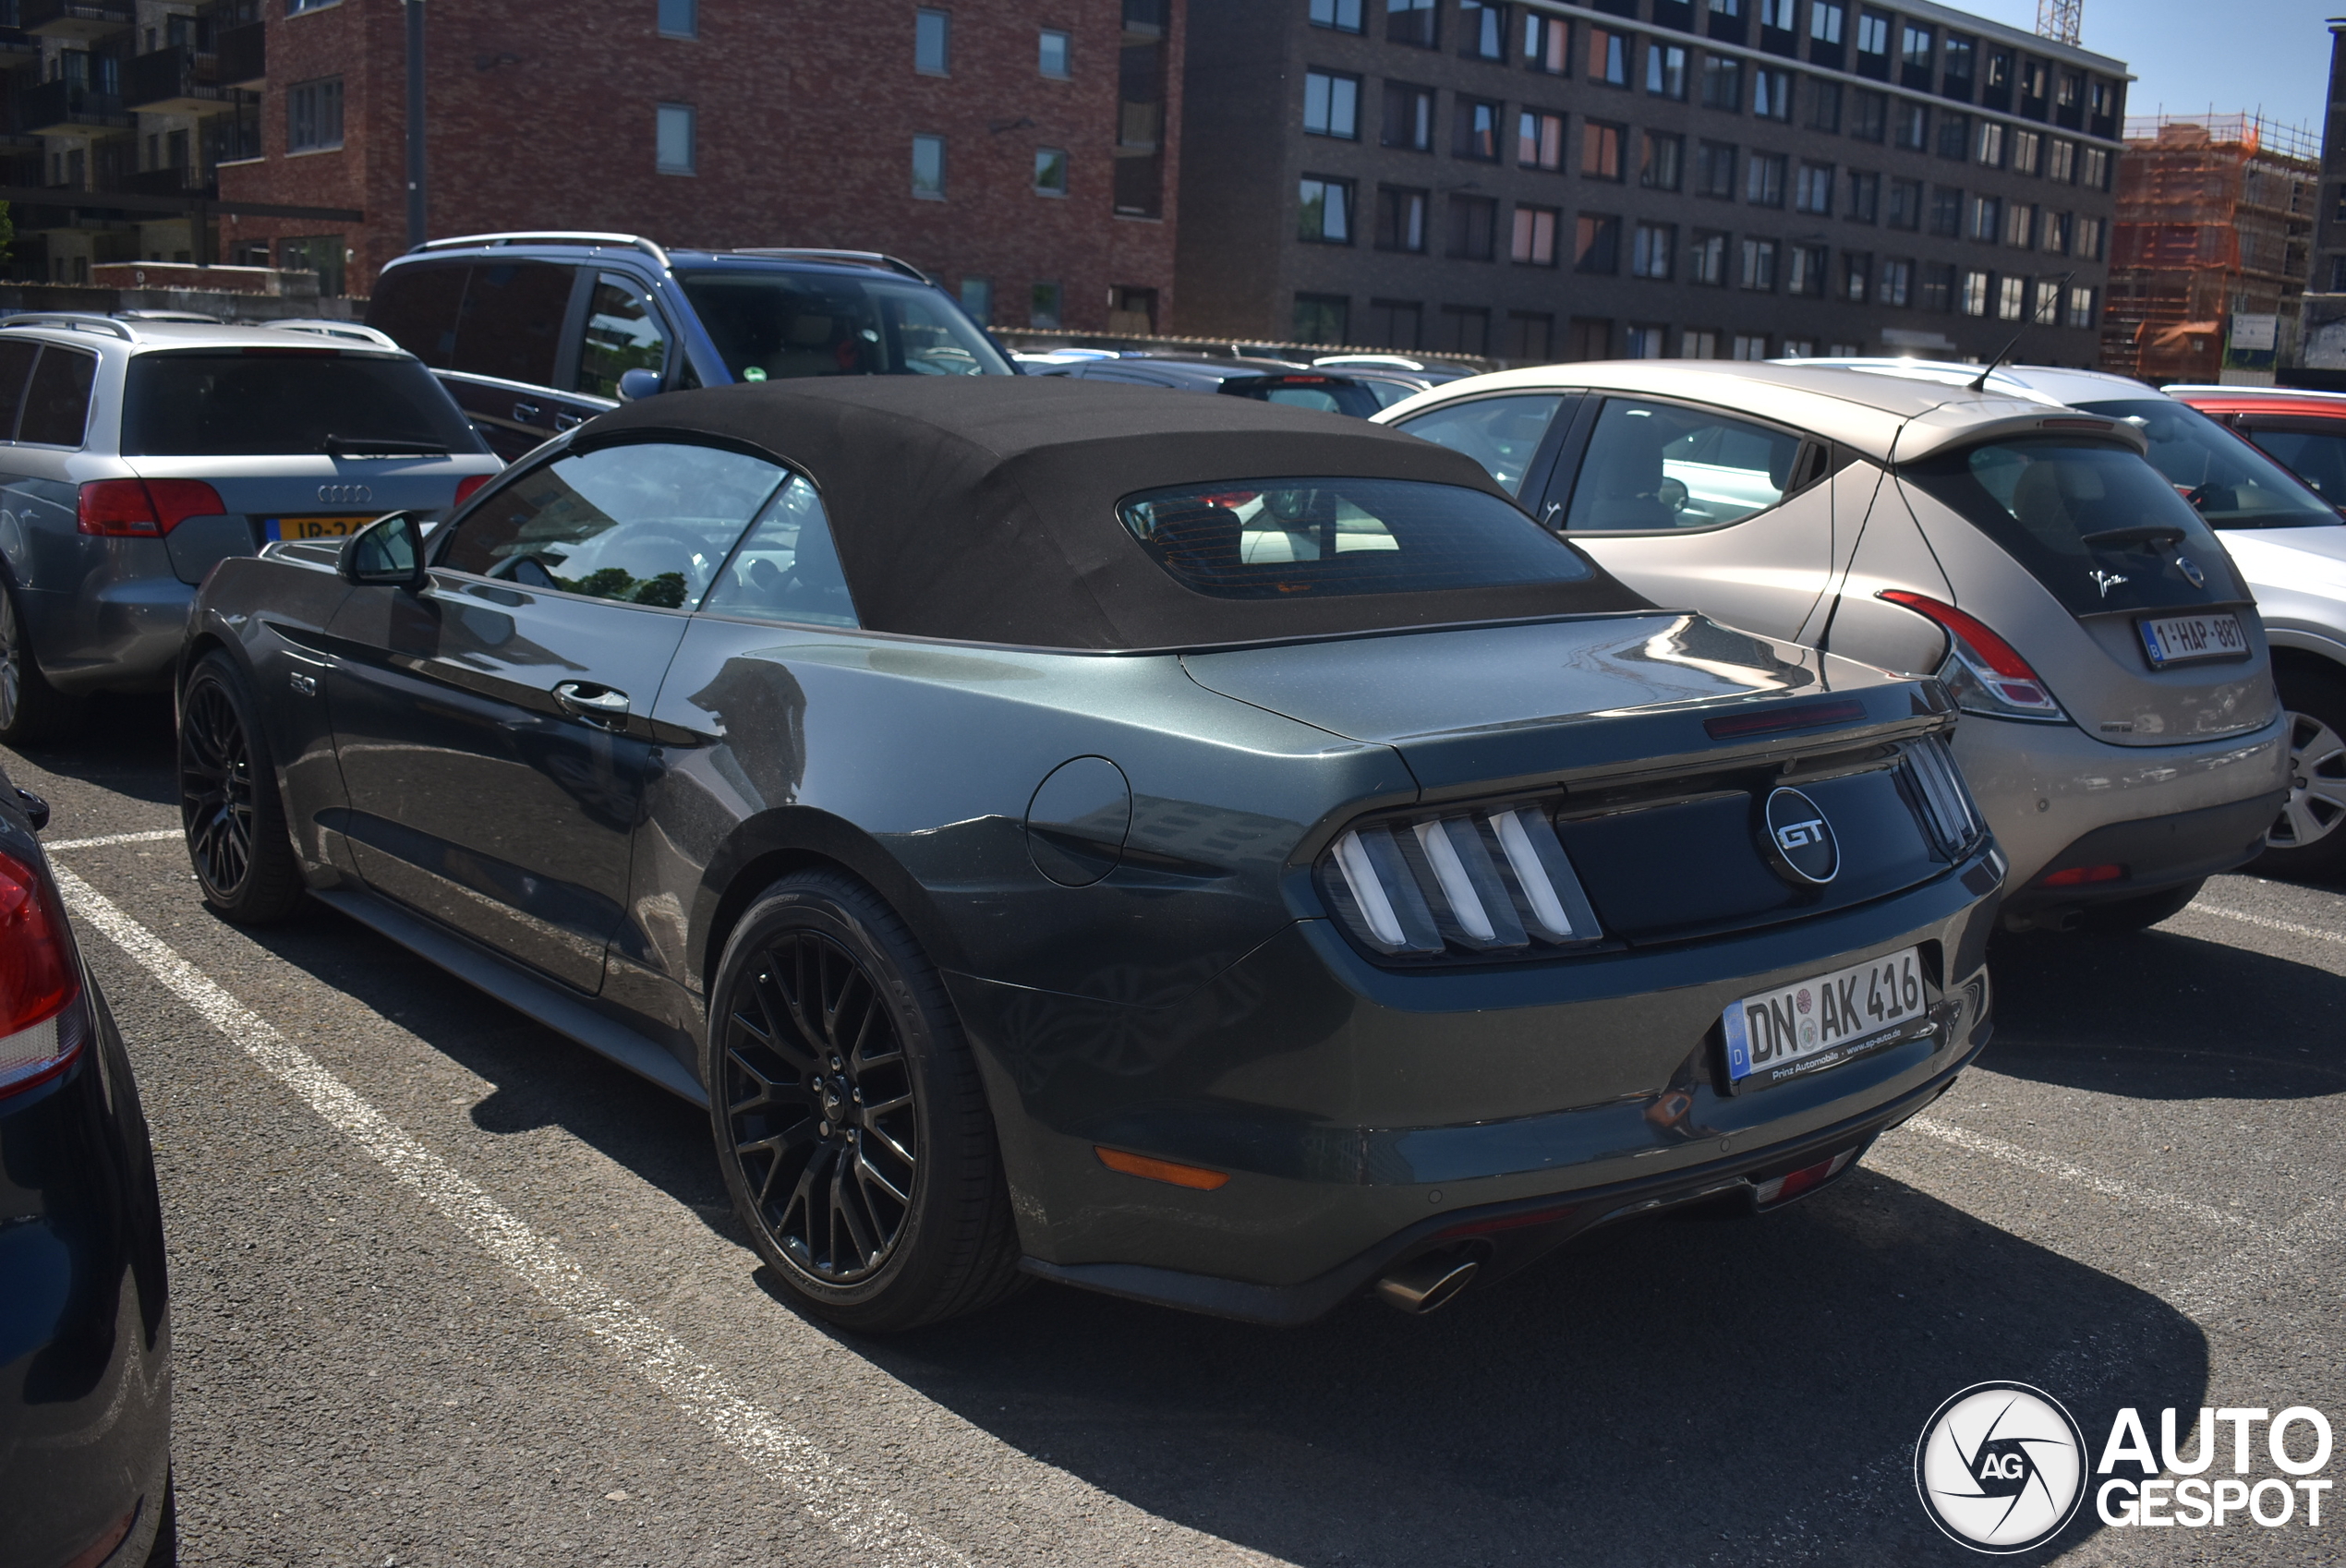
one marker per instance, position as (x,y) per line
(449,1289)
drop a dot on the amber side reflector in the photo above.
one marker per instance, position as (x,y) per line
(1160,1170)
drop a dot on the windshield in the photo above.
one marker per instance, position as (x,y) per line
(2093,522)
(1287,538)
(2313,450)
(284,402)
(2232,484)
(770,326)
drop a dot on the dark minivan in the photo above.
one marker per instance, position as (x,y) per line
(534,333)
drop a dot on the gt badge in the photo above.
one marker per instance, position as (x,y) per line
(1799,840)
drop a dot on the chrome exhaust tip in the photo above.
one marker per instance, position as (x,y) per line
(1426,1282)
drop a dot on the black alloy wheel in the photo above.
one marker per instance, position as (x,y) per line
(30,708)
(228,803)
(848,1118)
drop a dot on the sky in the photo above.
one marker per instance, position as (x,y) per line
(2241,56)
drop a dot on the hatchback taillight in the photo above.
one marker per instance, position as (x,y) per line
(1492,881)
(469,484)
(41,1026)
(143,508)
(1985,673)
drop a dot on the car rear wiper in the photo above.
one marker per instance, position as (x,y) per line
(381,446)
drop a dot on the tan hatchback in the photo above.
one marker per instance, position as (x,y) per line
(2123,737)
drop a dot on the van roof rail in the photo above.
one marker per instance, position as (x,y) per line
(847,257)
(74,321)
(546,237)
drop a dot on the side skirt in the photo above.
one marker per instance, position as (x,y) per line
(518,989)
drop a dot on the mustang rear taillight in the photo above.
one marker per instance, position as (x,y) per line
(1947,806)
(1986,673)
(42,1024)
(1490,881)
(143,508)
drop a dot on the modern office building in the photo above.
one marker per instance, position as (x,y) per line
(1700,178)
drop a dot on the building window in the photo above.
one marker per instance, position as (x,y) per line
(1528,334)
(2027,149)
(1992,144)
(1650,254)
(1956,67)
(1897,283)
(2054,231)
(1596,242)
(2089,232)
(313,116)
(1753,347)
(1331,105)
(1914,56)
(1722,83)
(2012,298)
(1053,54)
(1798,348)
(1698,345)
(1645,341)
(1975,294)
(1466,329)
(1715,170)
(676,140)
(1344,16)
(1813,192)
(1938,287)
(1662,162)
(1474,225)
(1483,24)
(1400,219)
(1539,141)
(977,300)
(1408,117)
(1413,22)
(1955,137)
(1913,126)
(1758,265)
(1873,34)
(1707,260)
(1547,43)
(1322,318)
(1777,14)
(1906,204)
(678,19)
(2081,307)
(1666,71)
(1535,237)
(1987,218)
(2048,310)
(932,42)
(1856,272)
(2060,161)
(2020,225)
(1771,94)
(1946,211)
(1476,135)
(1601,150)
(1587,337)
(1323,211)
(1865,197)
(928,159)
(1824,104)
(1050,171)
(1396,324)
(1043,305)
(1869,115)
(1824,22)
(1763,179)
(1608,56)
(2093,173)
(1805,271)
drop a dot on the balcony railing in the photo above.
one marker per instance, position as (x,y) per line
(62,107)
(189,181)
(240,53)
(175,80)
(81,19)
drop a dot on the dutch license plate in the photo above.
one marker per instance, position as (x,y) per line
(313,528)
(2178,639)
(1814,1024)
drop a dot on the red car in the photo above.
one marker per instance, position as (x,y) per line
(2304,431)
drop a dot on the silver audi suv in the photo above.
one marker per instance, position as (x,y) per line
(135,455)
(2120,727)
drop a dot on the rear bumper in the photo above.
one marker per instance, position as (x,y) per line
(2158,853)
(115,635)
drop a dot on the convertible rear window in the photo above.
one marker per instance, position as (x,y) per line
(2230,483)
(1330,537)
(281,402)
(2095,524)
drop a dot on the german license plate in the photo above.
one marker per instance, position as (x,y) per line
(2179,639)
(314,527)
(1814,1024)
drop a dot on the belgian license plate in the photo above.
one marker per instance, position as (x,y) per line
(314,527)
(1814,1024)
(2179,639)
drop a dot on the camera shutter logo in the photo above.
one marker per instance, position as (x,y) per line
(2001,1467)
(1799,841)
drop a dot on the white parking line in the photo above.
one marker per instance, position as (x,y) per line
(829,1494)
(156,836)
(2062,1170)
(2266,922)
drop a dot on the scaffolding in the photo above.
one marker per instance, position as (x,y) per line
(2215,219)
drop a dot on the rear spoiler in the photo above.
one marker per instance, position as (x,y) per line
(1962,424)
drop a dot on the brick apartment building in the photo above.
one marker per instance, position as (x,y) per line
(1022,150)
(1697,179)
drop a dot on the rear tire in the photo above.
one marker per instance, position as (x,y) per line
(848,1118)
(30,709)
(2308,839)
(2125,915)
(228,802)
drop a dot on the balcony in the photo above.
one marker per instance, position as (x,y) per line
(62,107)
(80,20)
(173,81)
(241,55)
(188,182)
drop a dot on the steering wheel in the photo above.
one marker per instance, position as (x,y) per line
(696,545)
(1672,493)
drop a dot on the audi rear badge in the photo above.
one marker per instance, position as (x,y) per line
(1799,840)
(344,495)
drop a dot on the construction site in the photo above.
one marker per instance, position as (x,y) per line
(2211,248)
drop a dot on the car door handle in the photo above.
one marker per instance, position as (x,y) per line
(600,705)
(568,421)
(524,411)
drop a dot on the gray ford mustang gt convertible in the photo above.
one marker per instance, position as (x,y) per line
(1223,855)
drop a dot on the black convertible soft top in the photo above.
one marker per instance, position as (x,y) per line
(981,509)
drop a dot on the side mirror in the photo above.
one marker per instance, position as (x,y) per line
(387,552)
(638,383)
